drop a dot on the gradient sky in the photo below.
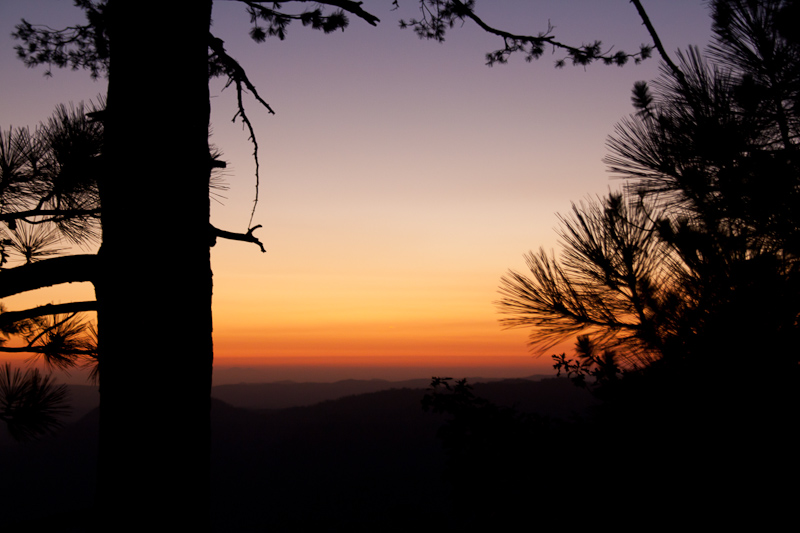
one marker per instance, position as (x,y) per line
(400,178)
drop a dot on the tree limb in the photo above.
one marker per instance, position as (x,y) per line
(55,215)
(657,41)
(245,237)
(350,7)
(48,272)
(43,349)
(9,317)
(346,5)
(439,15)
(545,38)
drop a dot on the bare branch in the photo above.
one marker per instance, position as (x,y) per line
(245,237)
(660,47)
(237,75)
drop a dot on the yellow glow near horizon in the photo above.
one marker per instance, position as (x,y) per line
(399,179)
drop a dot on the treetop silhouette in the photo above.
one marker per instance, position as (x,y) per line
(697,258)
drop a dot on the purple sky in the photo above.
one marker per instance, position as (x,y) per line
(400,178)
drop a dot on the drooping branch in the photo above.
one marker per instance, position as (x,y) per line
(48,272)
(87,46)
(9,317)
(440,15)
(244,237)
(221,62)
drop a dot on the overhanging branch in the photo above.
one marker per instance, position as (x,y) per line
(345,5)
(439,16)
(48,272)
(350,7)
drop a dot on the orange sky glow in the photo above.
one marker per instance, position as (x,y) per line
(400,179)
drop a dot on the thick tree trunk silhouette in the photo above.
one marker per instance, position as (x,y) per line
(155,279)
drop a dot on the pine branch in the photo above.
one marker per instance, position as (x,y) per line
(60,340)
(350,7)
(439,15)
(315,17)
(50,215)
(44,349)
(30,403)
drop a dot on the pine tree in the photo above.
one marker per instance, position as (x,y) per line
(683,288)
(703,237)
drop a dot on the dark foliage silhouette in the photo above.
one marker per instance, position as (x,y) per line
(30,403)
(688,280)
(507,464)
(48,203)
(703,239)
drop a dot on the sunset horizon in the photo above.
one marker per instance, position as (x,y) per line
(315,266)
(400,180)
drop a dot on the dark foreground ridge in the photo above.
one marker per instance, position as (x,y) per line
(358,462)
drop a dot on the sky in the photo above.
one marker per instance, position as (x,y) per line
(400,179)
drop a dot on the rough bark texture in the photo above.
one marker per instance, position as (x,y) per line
(154,289)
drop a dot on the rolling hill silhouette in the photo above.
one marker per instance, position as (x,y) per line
(359,462)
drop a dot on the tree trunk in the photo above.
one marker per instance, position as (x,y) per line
(154,289)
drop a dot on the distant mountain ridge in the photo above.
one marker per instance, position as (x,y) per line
(278,394)
(284,394)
